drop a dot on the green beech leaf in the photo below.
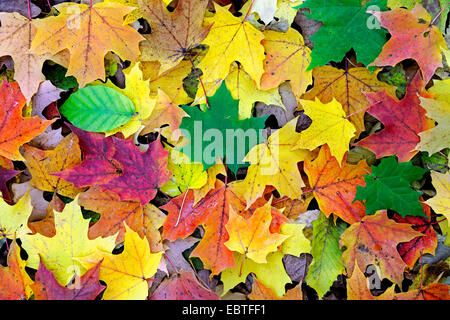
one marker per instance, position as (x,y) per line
(98,109)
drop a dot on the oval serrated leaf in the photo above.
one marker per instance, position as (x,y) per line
(98,109)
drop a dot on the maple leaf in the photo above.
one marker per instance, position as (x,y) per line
(334,186)
(271,274)
(251,237)
(210,184)
(374,240)
(15,129)
(388,187)
(437,138)
(346,26)
(143,172)
(165,112)
(185,174)
(5,176)
(128,273)
(98,165)
(42,164)
(16,35)
(231,39)
(275,163)
(412,250)
(347,87)
(402,120)
(15,282)
(182,286)
(174,34)
(145,220)
(213,213)
(286,53)
(244,89)
(358,289)
(327,255)
(434,291)
(261,292)
(70,241)
(14,218)
(172,81)
(99,29)
(412,37)
(86,287)
(119,166)
(329,125)
(441,201)
(221,116)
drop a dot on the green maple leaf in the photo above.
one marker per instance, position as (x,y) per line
(218,132)
(346,25)
(388,187)
(327,256)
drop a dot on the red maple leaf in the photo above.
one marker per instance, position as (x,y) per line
(46,287)
(410,251)
(119,166)
(402,119)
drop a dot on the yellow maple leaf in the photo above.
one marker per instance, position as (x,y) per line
(71,241)
(437,138)
(231,39)
(287,58)
(297,243)
(170,81)
(329,125)
(251,236)
(271,274)
(126,274)
(274,163)
(244,89)
(14,219)
(441,201)
(88,33)
(185,174)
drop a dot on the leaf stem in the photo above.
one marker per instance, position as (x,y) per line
(248,12)
(29,9)
(168,259)
(181,208)
(439,14)
(50,6)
